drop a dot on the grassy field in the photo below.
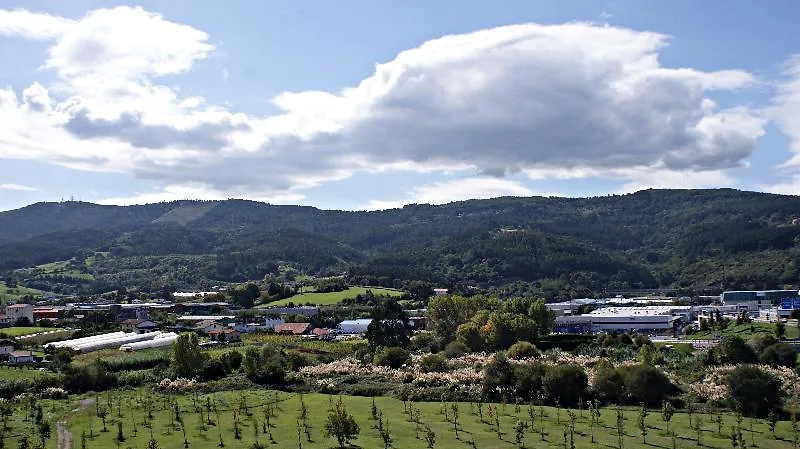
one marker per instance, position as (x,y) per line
(21,423)
(329,299)
(204,430)
(20,373)
(20,331)
(747,331)
(14,294)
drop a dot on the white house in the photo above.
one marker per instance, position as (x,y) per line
(16,311)
(17,357)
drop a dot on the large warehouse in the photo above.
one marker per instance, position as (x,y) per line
(649,319)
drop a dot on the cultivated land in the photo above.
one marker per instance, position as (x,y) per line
(131,406)
(333,298)
(21,331)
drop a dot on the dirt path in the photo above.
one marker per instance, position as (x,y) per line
(63,435)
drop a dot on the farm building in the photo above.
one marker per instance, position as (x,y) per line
(293,328)
(225,335)
(355,326)
(139,326)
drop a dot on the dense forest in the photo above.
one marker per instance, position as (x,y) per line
(694,240)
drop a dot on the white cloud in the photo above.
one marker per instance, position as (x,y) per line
(32,25)
(457,190)
(790,186)
(195,192)
(497,101)
(18,188)
(786,107)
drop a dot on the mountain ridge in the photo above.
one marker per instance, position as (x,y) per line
(558,247)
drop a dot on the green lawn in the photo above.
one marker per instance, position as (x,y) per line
(747,331)
(329,299)
(130,406)
(20,331)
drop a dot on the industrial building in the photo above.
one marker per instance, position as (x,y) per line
(753,301)
(648,319)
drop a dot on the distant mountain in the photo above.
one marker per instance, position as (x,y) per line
(689,239)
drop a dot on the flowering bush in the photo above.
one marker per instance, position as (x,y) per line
(176,386)
(54,393)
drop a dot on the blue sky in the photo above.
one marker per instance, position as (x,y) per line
(362,104)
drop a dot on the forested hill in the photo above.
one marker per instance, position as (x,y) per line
(691,239)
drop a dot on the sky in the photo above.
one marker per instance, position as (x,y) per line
(372,105)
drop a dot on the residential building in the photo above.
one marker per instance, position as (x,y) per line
(20,357)
(6,347)
(16,311)
(206,326)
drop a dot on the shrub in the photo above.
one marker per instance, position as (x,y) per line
(566,383)
(608,383)
(392,357)
(433,363)
(498,376)
(424,341)
(756,391)
(213,369)
(733,351)
(528,380)
(522,350)
(646,384)
(455,349)
(779,354)
(762,342)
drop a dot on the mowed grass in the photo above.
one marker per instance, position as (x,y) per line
(129,408)
(20,331)
(333,298)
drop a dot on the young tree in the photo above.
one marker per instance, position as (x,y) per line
(120,436)
(386,435)
(152,443)
(698,429)
(454,408)
(667,411)
(430,437)
(642,422)
(341,425)
(44,431)
(572,418)
(620,428)
(102,413)
(772,421)
(519,433)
